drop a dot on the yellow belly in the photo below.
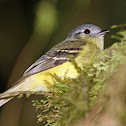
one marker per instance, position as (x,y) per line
(39,81)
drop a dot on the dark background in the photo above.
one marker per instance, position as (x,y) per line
(28,28)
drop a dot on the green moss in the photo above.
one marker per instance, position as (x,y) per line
(67,103)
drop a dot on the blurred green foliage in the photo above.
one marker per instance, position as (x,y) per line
(46,18)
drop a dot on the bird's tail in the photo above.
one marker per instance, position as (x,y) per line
(3,101)
(8,95)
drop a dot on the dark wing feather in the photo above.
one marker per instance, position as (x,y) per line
(54,57)
(37,67)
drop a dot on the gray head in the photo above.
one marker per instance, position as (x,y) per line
(86,30)
(89,33)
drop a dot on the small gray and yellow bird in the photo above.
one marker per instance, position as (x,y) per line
(83,43)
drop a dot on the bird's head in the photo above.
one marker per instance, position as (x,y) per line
(89,33)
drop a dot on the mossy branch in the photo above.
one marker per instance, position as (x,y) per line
(21,93)
(96,97)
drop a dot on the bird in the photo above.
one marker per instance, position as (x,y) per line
(83,44)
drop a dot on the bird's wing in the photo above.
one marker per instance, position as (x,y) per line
(54,57)
(46,62)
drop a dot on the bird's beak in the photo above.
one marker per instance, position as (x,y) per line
(103,32)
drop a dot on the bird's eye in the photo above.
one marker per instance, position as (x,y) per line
(87,31)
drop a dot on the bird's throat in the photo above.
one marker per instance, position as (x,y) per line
(87,54)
